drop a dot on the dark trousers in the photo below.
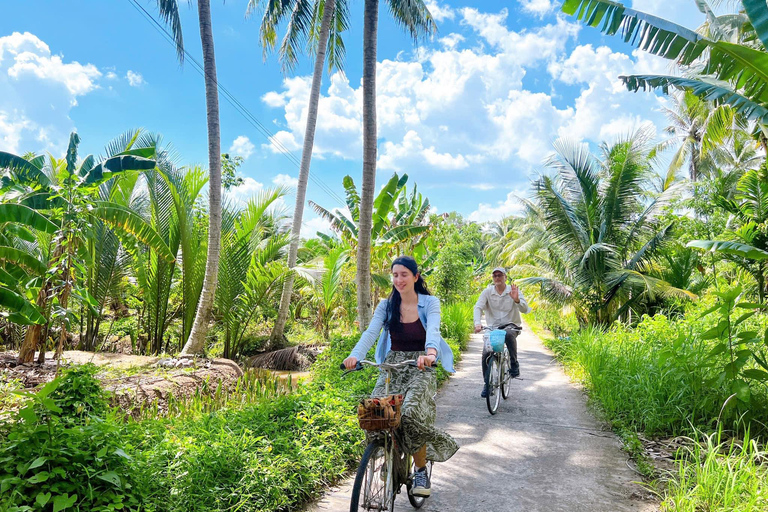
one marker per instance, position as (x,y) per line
(511,341)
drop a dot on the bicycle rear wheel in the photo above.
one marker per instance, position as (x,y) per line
(374,487)
(494,383)
(506,377)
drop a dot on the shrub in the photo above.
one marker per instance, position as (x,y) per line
(62,456)
(457,322)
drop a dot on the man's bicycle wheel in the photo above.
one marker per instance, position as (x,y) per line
(374,487)
(494,383)
(506,376)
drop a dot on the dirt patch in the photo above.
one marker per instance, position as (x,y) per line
(134,381)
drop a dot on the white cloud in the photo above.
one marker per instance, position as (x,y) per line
(111,75)
(411,152)
(135,79)
(537,7)
(242,146)
(511,205)
(29,73)
(604,108)
(245,191)
(467,105)
(284,180)
(451,41)
(310,227)
(440,12)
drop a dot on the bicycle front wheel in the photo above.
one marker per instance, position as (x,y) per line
(506,376)
(374,483)
(416,501)
(494,383)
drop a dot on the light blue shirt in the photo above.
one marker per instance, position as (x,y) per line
(429,314)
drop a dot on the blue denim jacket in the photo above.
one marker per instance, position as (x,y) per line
(429,314)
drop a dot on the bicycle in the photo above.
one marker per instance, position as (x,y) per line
(384,468)
(499,376)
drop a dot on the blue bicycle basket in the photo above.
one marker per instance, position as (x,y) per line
(497,340)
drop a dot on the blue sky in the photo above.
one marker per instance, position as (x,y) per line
(469,114)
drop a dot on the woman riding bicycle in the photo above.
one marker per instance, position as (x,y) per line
(409,323)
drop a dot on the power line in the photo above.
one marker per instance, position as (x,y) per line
(232,100)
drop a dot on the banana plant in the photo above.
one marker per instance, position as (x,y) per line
(399,223)
(65,192)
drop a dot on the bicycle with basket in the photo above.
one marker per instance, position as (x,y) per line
(499,378)
(384,468)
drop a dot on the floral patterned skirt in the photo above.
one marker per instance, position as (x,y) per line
(417,426)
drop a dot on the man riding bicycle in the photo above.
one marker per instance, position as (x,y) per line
(502,305)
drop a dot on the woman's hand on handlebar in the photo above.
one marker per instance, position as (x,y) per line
(478,328)
(350,363)
(426,360)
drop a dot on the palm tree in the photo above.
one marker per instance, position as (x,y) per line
(169,11)
(298,26)
(414,16)
(727,65)
(748,246)
(599,232)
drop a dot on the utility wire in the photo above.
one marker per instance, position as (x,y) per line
(237,104)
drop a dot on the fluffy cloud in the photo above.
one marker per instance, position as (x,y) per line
(283,180)
(242,146)
(440,12)
(134,79)
(482,106)
(245,191)
(537,7)
(511,205)
(29,71)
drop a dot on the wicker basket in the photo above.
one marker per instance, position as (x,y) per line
(380,413)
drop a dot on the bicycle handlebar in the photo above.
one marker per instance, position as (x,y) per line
(387,366)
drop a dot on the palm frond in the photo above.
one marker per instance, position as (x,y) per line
(649,33)
(716,92)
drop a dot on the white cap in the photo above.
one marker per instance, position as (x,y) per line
(500,269)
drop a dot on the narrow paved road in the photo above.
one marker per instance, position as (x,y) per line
(543,450)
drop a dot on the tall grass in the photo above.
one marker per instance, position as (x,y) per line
(720,476)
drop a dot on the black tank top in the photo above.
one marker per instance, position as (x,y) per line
(409,338)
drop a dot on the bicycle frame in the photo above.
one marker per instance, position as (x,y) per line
(362,491)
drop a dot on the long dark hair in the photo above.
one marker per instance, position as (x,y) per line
(393,321)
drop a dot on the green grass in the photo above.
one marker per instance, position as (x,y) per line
(720,476)
(657,379)
(256,447)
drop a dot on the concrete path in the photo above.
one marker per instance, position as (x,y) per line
(542,451)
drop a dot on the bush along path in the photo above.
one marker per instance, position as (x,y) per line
(542,451)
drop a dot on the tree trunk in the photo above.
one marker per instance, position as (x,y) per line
(276,338)
(196,342)
(32,338)
(364,304)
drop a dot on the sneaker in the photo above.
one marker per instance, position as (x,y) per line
(421,485)
(514,371)
(484,392)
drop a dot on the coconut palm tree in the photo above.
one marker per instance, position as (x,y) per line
(169,12)
(748,244)
(600,234)
(414,16)
(302,24)
(726,65)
